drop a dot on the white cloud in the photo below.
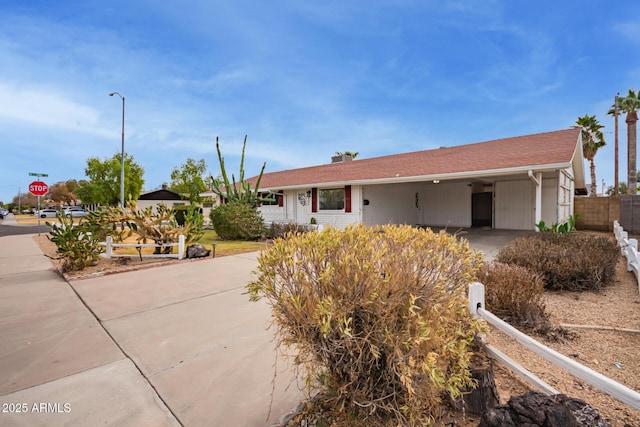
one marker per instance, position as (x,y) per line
(41,106)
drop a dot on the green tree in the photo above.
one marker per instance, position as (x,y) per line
(188,179)
(622,186)
(622,189)
(103,184)
(630,104)
(592,141)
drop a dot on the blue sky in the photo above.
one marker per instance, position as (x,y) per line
(302,79)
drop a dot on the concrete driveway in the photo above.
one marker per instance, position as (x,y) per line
(488,241)
(174,345)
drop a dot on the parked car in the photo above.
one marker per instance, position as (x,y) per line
(46,213)
(75,212)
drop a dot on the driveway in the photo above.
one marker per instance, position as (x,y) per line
(486,240)
(174,345)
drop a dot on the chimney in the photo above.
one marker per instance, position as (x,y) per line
(340,159)
(164,186)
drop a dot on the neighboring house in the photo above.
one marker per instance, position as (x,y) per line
(510,183)
(153,198)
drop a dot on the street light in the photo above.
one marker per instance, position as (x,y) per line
(122,154)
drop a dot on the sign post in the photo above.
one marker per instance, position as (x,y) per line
(38,188)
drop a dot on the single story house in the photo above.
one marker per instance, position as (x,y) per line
(155,197)
(510,183)
(171,199)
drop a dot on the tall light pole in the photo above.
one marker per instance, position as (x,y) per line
(122,154)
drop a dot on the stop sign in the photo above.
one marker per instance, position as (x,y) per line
(38,188)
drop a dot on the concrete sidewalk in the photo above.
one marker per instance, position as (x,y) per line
(173,345)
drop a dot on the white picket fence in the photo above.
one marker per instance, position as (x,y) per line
(629,248)
(607,385)
(110,245)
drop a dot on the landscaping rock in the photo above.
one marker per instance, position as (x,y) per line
(197,251)
(534,409)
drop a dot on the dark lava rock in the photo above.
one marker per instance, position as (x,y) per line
(534,409)
(197,251)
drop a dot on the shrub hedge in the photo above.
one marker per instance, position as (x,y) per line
(515,294)
(572,261)
(278,230)
(237,220)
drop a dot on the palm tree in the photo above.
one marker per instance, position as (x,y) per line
(353,154)
(630,104)
(592,141)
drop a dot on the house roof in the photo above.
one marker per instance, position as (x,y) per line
(162,194)
(538,153)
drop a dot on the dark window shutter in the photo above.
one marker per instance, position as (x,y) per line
(280,198)
(347,198)
(314,200)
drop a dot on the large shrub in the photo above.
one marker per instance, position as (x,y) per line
(573,261)
(282,229)
(237,220)
(377,318)
(515,294)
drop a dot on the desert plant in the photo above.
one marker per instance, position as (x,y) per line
(570,261)
(157,224)
(282,229)
(515,294)
(77,246)
(191,218)
(237,220)
(233,191)
(559,228)
(377,318)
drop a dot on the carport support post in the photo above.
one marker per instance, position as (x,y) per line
(537,180)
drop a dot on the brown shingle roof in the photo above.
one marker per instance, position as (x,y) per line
(521,152)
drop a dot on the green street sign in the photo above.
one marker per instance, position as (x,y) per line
(37,174)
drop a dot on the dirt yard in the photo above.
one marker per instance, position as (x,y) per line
(607,325)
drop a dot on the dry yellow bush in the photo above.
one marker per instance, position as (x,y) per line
(377,317)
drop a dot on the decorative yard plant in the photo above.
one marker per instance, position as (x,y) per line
(569,261)
(77,246)
(559,228)
(377,318)
(237,218)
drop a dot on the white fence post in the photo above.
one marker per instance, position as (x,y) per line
(109,248)
(476,298)
(616,230)
(631,252)
(180,246)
